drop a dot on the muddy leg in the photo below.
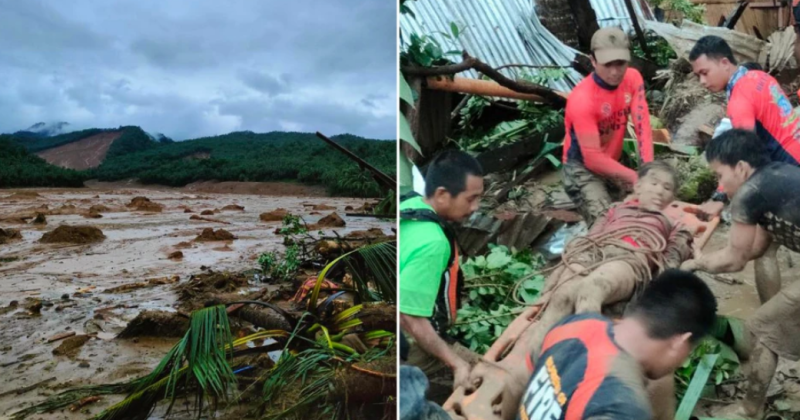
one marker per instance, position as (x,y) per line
(608,283)
(561,304)
(588,191)
(761,369)
(768,275)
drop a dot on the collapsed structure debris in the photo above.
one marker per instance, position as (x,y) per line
(453,104)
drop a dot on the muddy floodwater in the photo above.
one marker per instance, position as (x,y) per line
(71,280)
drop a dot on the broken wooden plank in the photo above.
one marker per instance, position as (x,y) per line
(482,88)
(514,230)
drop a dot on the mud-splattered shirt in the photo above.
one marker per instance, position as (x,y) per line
(596,121)
(771,199)
(627,214)
(582,373)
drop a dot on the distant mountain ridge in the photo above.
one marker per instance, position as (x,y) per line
(42,129)
(130,152)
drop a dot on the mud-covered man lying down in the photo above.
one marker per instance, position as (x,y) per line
(624,249)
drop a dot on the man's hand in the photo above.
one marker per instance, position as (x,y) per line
(461,372)
(709,210)
(689,265)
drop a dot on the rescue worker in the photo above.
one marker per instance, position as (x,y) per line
(592,368)
(756,102)
(430,279)
(765,209)
(596,122)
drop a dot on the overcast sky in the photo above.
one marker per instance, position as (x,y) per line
(192,68)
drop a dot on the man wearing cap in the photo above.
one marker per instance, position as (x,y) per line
(596,121)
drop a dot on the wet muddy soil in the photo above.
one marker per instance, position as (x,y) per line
(96,289)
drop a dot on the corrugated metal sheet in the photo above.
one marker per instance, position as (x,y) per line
(501,32)
(614,13)
(498,32)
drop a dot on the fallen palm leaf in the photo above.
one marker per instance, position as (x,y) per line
(200,359)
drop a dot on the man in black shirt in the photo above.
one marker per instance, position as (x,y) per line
(765,208)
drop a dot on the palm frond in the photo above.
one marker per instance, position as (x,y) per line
(306,375)
(379,265)
(347,313)
(200,359)
(346,325)
(372,335)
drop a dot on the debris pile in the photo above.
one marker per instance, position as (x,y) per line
(276,215)
(8,235)
(144,204)
(156,324)
(74,235)
(40,219)
(329,221)
(210,235)
(233,207)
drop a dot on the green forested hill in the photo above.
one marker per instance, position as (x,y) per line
(238,156)
(246,156)
(19,168)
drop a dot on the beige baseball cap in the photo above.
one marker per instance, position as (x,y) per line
(610,44)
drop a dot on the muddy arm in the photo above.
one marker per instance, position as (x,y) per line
(679,248)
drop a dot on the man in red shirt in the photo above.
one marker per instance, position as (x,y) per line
(596,122)
(756,103)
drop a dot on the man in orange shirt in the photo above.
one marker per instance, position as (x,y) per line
(596,122)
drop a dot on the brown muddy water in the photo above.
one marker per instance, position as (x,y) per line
(70,280)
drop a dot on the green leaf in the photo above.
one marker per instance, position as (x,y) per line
(482,290)
(497,260)
(406,135)
(454,29)
(406,94)
(696,386)
(473,294)
(535,283)
(556,163)
(480,261)
(528,297)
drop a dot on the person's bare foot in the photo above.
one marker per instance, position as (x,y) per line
(734,412)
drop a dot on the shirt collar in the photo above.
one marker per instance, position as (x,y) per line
(741,71)
(600,82)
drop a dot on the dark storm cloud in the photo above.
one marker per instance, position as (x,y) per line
(199,68)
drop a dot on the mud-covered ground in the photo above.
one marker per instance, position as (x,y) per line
(740,299)
(71,280)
